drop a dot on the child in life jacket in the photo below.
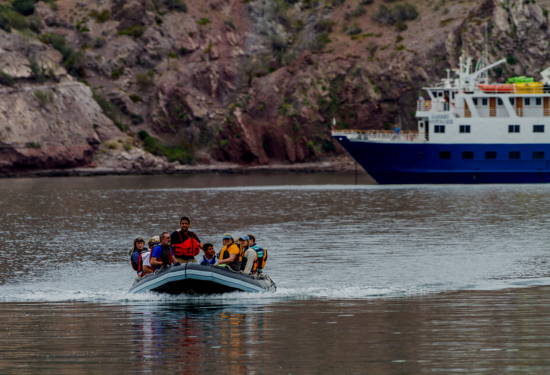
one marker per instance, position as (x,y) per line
(139,258)
(209,257)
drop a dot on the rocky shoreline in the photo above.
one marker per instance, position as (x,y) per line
(341,164)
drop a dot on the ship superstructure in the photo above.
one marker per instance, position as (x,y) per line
(469,131)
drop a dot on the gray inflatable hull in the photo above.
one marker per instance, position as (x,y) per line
(192,278)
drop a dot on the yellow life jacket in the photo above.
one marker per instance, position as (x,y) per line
(224,254)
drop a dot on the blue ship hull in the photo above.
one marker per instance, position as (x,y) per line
(422,163)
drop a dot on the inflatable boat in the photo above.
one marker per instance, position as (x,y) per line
(192,278)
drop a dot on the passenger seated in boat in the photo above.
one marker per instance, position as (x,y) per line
(247,255)
(146,255)
(138,257)
(261,255)
(209,257)
(230,254)
(186,244)
(162,254)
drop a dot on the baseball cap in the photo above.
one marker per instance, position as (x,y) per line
(227,236)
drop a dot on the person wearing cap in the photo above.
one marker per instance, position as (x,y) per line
(260,258)
(248,254)
(230,254)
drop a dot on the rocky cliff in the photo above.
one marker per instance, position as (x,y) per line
(144,84)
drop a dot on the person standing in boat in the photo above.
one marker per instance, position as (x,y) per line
(256,257)
(162,254)
(186,244)
(209,257)
(230,254)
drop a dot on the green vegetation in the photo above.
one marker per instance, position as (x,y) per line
(357,12)
(111,111)
(153,145)
(24,7)
(397,15)
(117,72)
(203,21)
(511,59)
(72,60)
(354,30)
(135,98)
(135,31)
(101,16)
(177,5)
(6,79)
(321,40)
(33,145)
(10,19)
(145,80)
(325,25)
(40,73)
(43,97)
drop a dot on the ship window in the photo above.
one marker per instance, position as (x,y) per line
(467,155)
(527,101)
(513,128)
(444,154)
(512,101)
(484,101)
(514,155)
(538,154)
(439,128)
(539,101)
(420,156)
(499,101)
(475,101)
(538,128)
(464,128)
(490,155)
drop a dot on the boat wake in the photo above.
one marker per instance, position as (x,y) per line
(100,283)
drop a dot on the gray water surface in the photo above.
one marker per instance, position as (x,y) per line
(371,279)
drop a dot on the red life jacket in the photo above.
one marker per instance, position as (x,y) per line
(188,248)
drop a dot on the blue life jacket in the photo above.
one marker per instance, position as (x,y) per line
(136,260)
(205,261)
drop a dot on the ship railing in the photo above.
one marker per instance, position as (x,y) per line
(381,135)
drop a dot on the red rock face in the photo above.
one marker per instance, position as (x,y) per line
(251,82)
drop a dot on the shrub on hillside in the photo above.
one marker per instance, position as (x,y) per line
(177,5)
(25,7)
(172,153)
(9,19)
(398,14)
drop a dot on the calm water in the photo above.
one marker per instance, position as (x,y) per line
(371,279)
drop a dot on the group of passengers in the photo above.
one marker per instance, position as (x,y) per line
(183,245)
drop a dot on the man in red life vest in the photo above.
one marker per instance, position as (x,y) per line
(186,244)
